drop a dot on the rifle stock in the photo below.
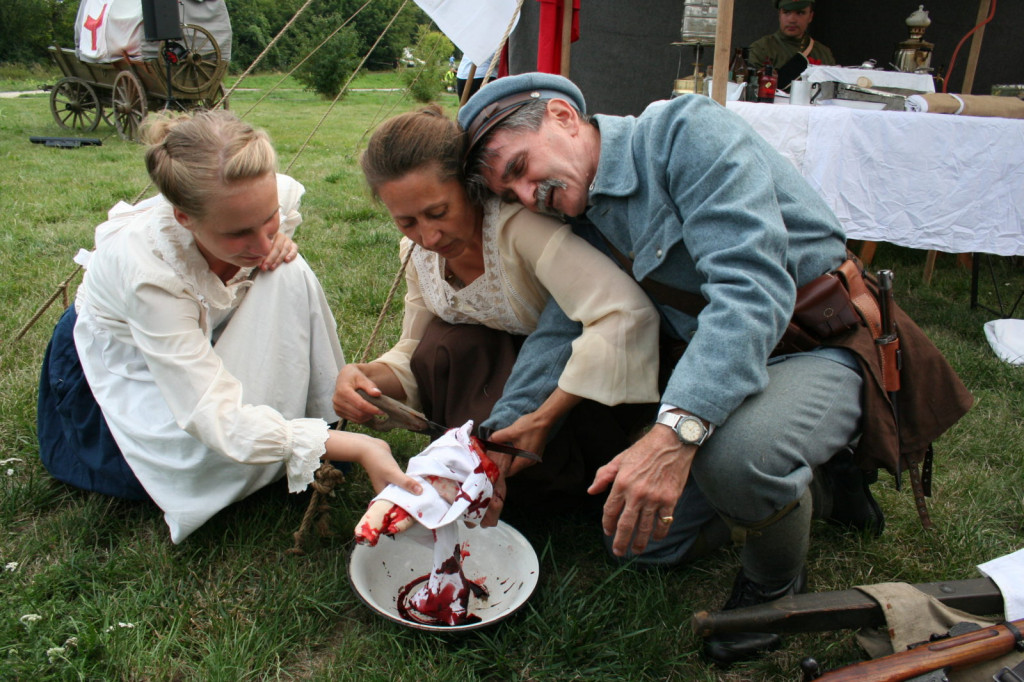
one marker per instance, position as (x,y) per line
(846,609)
(955,653)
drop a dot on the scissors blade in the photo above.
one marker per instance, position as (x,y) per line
(405,417)
(510,450)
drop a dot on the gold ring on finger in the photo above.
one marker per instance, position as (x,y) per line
(666,519)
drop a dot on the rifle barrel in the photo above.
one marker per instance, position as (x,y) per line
(885,280)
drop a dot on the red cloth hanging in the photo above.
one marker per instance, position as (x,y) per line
(549,35)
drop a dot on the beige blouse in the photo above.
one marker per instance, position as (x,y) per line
(527,258)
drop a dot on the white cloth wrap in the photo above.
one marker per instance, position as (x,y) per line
(916,104)
(452,457)
(1006,337)
(1008,573)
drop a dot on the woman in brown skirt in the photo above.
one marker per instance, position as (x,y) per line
(478,279)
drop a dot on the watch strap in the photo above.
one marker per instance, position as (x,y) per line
(672,420)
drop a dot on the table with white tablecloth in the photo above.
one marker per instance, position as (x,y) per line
(925,181)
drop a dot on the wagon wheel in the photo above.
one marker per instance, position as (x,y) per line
(196,65)
(216,100)
(129,100)
(74,105)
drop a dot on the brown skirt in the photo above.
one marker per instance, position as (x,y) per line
(461,372)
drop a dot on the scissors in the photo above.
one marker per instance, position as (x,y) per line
(403,416)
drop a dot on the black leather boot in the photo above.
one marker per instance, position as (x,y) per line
(729,648)
(849,502)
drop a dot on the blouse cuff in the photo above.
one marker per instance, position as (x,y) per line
(629,368)
(309,444)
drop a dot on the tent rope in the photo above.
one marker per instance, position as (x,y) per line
(504,39)
(312,52)
(267,49)
(62,289)
(344,88)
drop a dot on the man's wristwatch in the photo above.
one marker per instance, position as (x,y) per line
(688,428)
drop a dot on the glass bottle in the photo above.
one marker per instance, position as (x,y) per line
(767,81)
(738,68)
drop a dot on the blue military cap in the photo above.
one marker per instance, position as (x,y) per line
(495,101)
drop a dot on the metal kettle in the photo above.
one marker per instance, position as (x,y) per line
(914,55)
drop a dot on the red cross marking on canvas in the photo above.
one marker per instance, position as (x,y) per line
(93,25)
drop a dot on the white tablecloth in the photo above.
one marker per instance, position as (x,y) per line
(925,181)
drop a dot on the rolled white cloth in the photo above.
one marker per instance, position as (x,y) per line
(1006,337)
(916,104)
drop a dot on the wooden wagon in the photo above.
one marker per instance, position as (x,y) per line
(184,73)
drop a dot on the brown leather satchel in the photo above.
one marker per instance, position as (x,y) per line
(823,309)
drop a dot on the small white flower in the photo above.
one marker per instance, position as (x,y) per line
(10,472)
(11,566)
(55,652)
(120,625)
(30,618)
(71,642)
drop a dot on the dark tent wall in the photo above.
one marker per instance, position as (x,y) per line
(625,59)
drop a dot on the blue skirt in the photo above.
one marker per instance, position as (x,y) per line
(75,444)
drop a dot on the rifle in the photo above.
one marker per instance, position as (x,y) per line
(889,352)
(953,653)
(846,609)
(66,142)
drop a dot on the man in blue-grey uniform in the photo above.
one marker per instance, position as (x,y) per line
(721,230)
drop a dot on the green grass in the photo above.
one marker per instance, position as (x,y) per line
(117,601)
(14,77)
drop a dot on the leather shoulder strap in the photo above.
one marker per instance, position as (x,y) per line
(684,301)
(862,298)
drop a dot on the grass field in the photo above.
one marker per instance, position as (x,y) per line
(93,589)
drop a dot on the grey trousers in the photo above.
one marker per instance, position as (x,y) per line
(762,459)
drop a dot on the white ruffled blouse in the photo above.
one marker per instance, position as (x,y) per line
(527,258)
(152,296)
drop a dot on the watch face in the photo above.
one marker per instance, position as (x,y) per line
(690,430)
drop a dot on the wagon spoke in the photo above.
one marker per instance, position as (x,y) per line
(75,105)
(196,71)
(129,101)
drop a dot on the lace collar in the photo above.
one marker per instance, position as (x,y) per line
(487,299)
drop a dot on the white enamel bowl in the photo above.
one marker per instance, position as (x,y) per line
(500,555)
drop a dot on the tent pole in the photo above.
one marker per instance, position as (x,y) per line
(972,55)
(566,35)
(723,50)
(466,88)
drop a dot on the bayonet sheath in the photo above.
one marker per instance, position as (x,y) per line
(841,610)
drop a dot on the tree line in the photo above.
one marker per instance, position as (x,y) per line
(29,27)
